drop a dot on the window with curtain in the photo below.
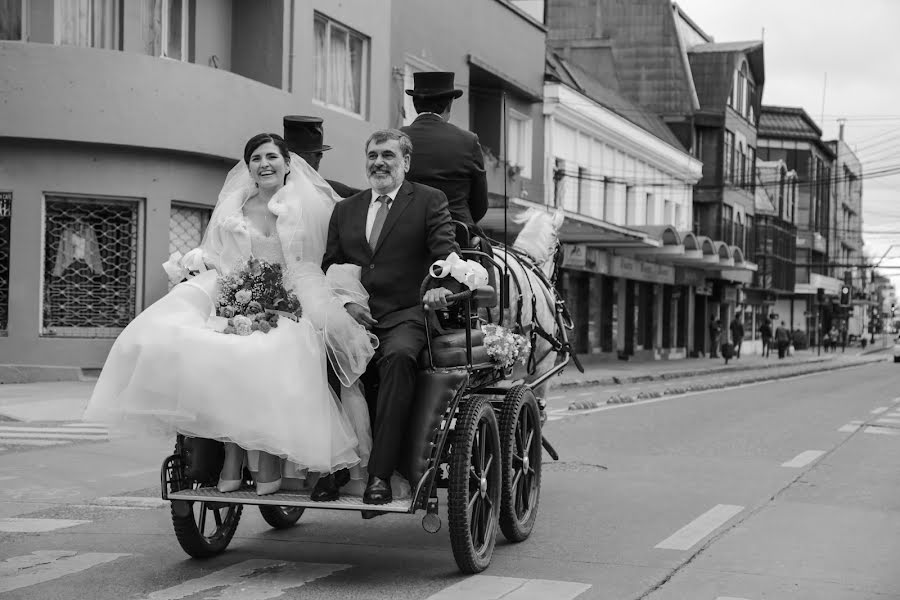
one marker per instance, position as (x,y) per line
(12,20)
(87,23)
(518,143)
(341,65)
(728,156)
(5,230)
(165,28)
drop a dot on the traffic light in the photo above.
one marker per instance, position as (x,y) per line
(845,295)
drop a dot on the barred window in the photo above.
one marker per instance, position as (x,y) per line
(5,212)
(187,224)
(90,266)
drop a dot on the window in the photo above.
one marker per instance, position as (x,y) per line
(669,212)
(90,278)
(679,217)
(167,31)
(585,206)
(728,157)
(518,143)
(650,209)
(630,206)
(187,224)
(741,166)
(5,212)
(727,229)
(12,20)
(87,23)
(341,59)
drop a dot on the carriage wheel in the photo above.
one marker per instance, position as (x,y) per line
(207,528)
(474,488)
(520,438)
(281,517)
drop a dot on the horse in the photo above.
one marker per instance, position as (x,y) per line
(528,270)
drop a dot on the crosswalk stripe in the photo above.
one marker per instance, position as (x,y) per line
(889,421)
(130,502)
(691,534)
(850,427)
(879,410)
(489,587)
(87,424)
(97,430)
(9,435)
(24,442)
(254,579)
(14,525)
(882,430)
(45,565)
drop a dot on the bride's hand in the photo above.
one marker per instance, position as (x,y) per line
(361,314)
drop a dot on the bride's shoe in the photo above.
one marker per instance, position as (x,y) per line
(229,485)
(264,488)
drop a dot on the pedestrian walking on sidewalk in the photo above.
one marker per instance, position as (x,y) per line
(782,339)
(737,335)
(715,334)
(765,332)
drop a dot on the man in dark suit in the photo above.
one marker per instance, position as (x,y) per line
(446,157)
(394,231)
(304,136)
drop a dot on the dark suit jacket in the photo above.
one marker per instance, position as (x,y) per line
(417,232)
(449,158)
(343,190)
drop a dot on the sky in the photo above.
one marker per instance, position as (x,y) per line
(849,51)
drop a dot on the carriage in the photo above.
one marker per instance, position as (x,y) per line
(475,428)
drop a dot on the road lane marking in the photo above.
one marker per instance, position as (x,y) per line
(729,598)
(882,430)
(12,525)
(87,424)
(46,565)
(879,410)
(254,579)
(803,459)
(850,427)
(8,477)
(66,430)
(489,587)
(888,421)
(699,528)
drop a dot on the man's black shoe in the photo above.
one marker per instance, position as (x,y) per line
(378,491)
(371,514)
(326,490)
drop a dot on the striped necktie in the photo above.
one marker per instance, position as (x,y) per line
(380,216)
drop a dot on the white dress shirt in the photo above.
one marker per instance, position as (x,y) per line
(374,205)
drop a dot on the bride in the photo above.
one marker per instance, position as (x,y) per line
(267,393)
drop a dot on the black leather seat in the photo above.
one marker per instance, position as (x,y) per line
(449,350)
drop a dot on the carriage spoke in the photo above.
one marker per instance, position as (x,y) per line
(217,515)
(517,479)
(201,521)
(527,448)
(472,501)
(474,475)
(487,467)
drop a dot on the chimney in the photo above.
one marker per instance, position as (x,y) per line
(841,129)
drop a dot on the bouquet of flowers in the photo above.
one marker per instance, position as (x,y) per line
(505,347)
(252,297)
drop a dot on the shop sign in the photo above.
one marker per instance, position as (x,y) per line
(703,290)
(5,203)
(730,295)
(693,277)
(574,256)
(629,268)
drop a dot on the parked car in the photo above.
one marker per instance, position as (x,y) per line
(897,350)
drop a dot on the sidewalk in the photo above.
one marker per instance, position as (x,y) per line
(66,400)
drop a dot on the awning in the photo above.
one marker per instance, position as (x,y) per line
(576,228)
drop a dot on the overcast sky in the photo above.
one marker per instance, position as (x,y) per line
(855,43)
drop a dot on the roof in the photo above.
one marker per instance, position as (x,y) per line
(559,69)
(787,121)
(713,65)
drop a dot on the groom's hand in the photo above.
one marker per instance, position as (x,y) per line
(436,298)
(361,314)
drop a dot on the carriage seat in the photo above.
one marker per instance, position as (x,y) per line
(449,348)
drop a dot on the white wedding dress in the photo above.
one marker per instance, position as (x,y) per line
(169,371)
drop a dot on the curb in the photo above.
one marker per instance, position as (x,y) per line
(712,385)
(644,377)
(38,373)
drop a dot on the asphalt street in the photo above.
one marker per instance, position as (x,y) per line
(786,489)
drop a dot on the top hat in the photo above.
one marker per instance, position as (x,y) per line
(429,84)
(304,134)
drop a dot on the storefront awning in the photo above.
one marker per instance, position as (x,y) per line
(576,229)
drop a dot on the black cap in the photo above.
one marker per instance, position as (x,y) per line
(304,134)
(430,84)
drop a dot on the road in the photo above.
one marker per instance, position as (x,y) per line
(786,489)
